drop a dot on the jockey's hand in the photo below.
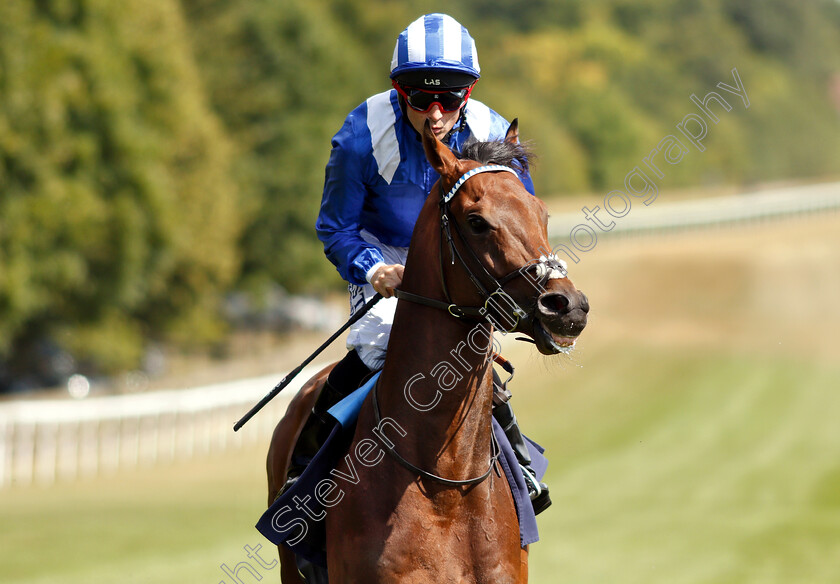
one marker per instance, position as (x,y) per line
(386,279)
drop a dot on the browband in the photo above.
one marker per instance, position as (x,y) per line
(473,172)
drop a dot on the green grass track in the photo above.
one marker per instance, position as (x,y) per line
(666,467)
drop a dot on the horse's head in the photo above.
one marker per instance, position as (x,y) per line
(494,250)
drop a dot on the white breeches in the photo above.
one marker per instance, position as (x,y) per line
(369,336)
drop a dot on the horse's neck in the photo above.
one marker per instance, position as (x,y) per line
(437,385)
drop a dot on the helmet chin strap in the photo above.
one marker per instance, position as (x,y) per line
(462,121)
(457,128)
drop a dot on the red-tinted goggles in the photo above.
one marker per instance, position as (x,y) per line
(422,100)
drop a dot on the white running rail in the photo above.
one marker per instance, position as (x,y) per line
(664,216)
(44,441)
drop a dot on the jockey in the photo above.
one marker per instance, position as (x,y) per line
(377,180)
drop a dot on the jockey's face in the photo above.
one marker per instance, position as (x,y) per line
(440,120)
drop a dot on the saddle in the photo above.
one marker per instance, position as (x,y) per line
(296,518)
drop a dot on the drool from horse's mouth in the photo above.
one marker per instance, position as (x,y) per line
(549,343)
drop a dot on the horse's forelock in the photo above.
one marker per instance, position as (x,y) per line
(516,156)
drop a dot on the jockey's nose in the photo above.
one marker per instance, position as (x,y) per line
(435,113)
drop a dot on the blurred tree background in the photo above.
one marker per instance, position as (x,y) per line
(156,155)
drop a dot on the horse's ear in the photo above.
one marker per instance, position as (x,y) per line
(512,134)
(438,155)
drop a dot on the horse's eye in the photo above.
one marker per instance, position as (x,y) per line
(478,224)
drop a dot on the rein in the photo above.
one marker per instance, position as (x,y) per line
(377,417)
(546,268)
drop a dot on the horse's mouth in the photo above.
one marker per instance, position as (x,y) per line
(549,343)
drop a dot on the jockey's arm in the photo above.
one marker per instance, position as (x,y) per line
(339,221)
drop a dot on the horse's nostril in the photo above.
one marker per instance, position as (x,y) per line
(554,303)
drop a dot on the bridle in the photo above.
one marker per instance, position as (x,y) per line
(546,267)
(493,294)
(389,448)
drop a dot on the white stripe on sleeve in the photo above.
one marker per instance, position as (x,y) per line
(383,134)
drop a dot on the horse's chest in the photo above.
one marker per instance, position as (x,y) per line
(466,544)
(416,538)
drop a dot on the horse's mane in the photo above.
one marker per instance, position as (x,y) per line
(517,156)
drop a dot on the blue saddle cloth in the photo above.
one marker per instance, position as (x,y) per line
(296,518)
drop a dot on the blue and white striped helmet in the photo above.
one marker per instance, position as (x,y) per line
(436,43)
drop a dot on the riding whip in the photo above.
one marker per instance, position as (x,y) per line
(292,374)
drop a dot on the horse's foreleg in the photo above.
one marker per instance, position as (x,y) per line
(523,563)
(288,567)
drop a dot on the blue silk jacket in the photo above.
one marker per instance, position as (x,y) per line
(377,180)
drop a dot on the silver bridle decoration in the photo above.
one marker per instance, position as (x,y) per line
(473,172)
(551,267)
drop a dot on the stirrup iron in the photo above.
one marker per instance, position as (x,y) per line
(534,487)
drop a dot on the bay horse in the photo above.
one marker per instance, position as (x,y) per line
(434,506)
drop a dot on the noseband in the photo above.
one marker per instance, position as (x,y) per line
(493,295)
(546,268)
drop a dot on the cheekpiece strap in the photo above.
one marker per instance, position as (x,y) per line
(473,172)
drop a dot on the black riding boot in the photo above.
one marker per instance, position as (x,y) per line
(503,412)
(342,380)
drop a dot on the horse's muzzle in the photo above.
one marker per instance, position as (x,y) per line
(559,318)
